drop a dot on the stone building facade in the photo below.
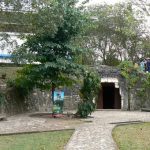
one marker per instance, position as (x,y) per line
(114,91)
(112,95)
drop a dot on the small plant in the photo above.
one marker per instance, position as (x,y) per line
(88,93)
(85,108)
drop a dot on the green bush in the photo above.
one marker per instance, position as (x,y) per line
(88,92)
(86,108)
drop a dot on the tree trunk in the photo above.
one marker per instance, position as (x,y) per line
(129,98)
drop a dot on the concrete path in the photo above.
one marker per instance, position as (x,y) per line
(97,135)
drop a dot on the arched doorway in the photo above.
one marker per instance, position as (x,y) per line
(109,97)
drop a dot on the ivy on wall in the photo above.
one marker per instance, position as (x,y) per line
(135,78)
(144,92)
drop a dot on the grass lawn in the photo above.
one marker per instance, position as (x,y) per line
(36,141)
(132,137)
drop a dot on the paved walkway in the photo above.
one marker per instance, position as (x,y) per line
(97,135)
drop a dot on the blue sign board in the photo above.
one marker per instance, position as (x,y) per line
(58,96)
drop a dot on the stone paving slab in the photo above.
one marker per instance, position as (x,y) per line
(97,135)
(25,123)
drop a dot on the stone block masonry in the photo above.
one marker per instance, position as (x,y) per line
(40,101)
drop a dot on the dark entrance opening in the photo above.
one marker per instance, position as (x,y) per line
(109,97)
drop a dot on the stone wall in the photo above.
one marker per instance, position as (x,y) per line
(36,101)
(41,100)
(2,91)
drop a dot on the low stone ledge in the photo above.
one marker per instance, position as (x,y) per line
(145,109)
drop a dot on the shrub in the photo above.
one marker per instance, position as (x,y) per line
(85,108)
(88,93)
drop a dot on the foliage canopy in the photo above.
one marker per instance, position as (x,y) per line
(116,33)
(50,56)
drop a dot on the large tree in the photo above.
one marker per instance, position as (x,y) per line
(118,32)
(142,5)
(50,56)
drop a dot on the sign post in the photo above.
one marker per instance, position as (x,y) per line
(58,101)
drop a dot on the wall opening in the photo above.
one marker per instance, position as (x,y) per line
(109,97)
